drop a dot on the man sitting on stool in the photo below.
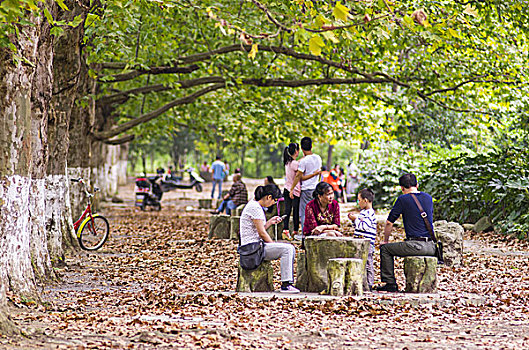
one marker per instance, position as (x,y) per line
(418,241)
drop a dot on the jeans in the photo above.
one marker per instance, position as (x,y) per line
(291,205)
(228,205)
(215,182)
(304,199)
(407,248)
(287,253)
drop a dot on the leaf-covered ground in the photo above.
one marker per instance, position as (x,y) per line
(147,288)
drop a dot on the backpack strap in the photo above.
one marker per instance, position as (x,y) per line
(425,218)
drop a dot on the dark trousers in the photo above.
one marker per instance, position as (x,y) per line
(408,248)
(291,205)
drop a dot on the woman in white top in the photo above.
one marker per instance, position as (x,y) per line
(253,227)
(291,201)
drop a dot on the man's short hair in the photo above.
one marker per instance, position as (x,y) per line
(408,180)
(217,157)
(306,143)
(367,194)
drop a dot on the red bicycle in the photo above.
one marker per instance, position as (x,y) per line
(91,229)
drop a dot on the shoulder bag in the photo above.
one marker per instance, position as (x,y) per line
(438,244)
(251,255)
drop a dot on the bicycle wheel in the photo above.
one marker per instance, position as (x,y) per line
(94,233)
(198,187)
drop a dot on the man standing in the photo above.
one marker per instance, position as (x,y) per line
(418,240)
(308,170)
(218,170)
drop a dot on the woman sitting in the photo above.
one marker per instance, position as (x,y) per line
(253,227)
(322,214)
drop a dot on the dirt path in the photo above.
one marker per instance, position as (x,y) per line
(159,283)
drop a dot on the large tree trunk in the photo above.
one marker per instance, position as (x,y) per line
(67,67)
(80,150)
(24,102)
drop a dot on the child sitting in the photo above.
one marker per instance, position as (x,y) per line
(365,225)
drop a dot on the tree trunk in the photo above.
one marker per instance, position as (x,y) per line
(329,157)
(67,67)
(24,102)
(80,149)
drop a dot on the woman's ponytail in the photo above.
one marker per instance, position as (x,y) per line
(268,190)
(288,153)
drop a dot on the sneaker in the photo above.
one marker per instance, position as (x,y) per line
(298,237)
(286,235)
(388,287)
(289,289)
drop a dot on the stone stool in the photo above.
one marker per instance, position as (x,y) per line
(235,227)
(345,276)
(219,226)
(421,274)
(205,203)
(258,280)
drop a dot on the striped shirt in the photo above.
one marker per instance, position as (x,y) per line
(366,225)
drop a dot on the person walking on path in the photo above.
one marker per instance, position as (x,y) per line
(219,172)
(309,169)
(291,203)
(253,226)
(237,195)
(418,241)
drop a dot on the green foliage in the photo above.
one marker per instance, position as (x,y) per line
(496,184)
(461,58)
(380,168)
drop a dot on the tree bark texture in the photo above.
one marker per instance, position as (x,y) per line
(421,274)
(320,249)
(219,226)
(24,107)
(451,235)
(258,280)
(345,277)
(68,60)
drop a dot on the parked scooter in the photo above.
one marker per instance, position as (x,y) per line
(148,192)
(172,182)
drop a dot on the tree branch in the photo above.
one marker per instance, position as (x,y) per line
(105,135)
(136,73)
(310,82)
(270,17)
(123,96)
(119,141)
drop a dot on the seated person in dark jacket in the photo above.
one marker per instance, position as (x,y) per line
(237,195)
(418,241)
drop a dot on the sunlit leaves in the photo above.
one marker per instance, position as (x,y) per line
(469,10)
(340,12)
(315,45)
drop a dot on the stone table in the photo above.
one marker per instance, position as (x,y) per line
(312,268)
